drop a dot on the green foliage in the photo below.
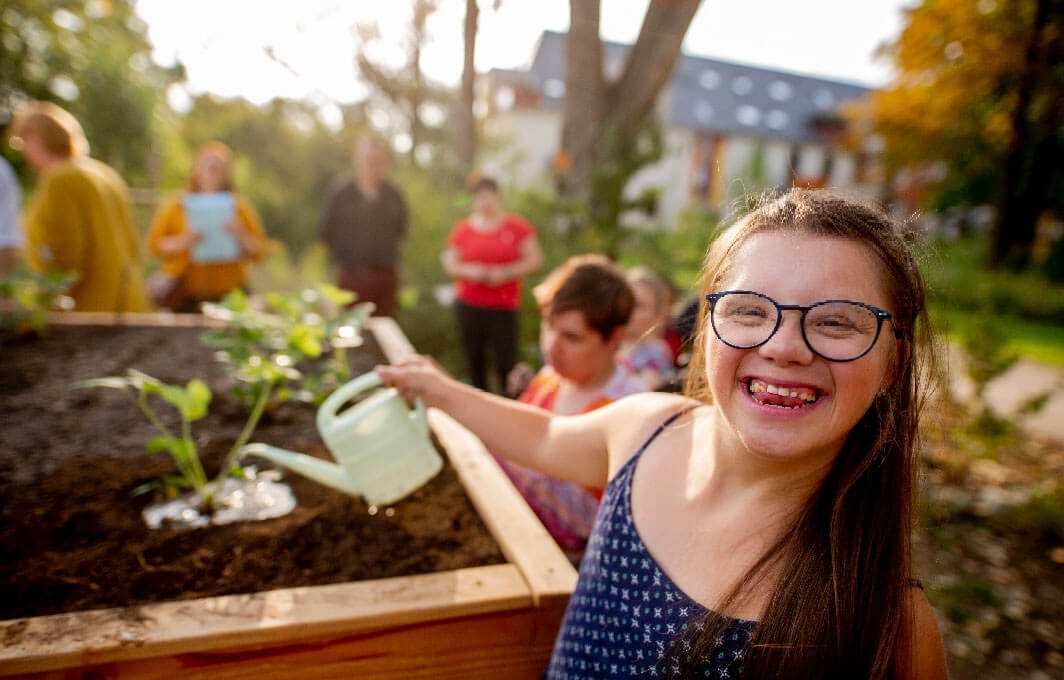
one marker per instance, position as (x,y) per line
(1043,513)
(997,314)
(985,344)
(959,66)
(959,277)
(280,343)
(960,602)
(94,59)
(27,296)
(620,157)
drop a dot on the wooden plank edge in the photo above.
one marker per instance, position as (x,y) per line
(521,536)
(154,319)
(393,342)
(264,619)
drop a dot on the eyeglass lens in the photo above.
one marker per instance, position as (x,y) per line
(836,330)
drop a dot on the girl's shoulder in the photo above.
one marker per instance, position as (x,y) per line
(631,420)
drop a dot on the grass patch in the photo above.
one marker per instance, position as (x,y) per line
(959,278)
(1038,340)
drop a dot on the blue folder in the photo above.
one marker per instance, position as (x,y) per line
(208,214)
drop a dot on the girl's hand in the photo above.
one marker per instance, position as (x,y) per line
(180,243)
(248,245)
(236,228)
(498,274)
(419,376)
(475,271)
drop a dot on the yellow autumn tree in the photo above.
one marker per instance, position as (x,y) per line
(978,90)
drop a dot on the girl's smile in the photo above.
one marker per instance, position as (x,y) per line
(781,400)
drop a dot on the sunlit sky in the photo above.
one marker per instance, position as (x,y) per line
(224,43)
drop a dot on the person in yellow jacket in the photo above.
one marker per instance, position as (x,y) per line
(78,219)
(186,278)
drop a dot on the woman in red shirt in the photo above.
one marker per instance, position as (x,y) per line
(488,254)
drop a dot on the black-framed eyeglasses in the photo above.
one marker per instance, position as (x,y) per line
(836,330)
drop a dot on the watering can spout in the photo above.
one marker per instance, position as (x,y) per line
(324,472)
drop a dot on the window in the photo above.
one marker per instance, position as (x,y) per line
(709,79)
(703,112)
(554,88)
(780,90)
(776,119)
(748,115)
(742,85)
(504,98)
(823,99)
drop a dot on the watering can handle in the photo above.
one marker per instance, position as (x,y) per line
(420,416)
(332,404)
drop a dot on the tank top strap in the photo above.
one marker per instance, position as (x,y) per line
(661,428)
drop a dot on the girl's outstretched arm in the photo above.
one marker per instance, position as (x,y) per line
(574,448)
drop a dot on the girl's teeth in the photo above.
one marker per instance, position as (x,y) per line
(759,386)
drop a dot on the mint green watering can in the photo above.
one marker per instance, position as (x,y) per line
(382,447)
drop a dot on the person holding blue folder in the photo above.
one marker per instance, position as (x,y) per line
(205,237)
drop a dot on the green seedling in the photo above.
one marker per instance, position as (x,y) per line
(308,331)
(26,297)
(191,402)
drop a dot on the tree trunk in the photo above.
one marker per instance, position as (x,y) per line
(1018,205)
(467,132)
(585,94)
(594,107)
(650,62)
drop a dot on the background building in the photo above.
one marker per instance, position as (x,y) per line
(727,128)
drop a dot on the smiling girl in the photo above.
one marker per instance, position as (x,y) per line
(758,527)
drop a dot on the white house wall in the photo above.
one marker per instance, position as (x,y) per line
(811,161)
(777,163)
(671,175)
(843,170)
(527,141)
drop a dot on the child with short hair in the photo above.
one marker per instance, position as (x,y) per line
(758,527)
(584,306)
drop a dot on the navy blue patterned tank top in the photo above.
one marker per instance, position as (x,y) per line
(626,616)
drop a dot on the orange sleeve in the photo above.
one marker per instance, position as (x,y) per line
(253,222)
(169,221)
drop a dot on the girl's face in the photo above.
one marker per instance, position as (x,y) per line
(645,313)
(210,173)
(798,269)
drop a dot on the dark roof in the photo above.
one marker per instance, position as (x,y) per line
(715,96)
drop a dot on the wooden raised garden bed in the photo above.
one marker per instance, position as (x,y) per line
(498,620)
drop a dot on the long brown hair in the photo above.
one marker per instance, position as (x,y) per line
(839,599)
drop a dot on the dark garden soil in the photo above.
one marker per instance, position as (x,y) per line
(71,534)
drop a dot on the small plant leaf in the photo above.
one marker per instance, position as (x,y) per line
(159,444)
(144,382)
(183,449)
(111,382)
(177,397)
(198,399)
(306,339)
(335,295)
